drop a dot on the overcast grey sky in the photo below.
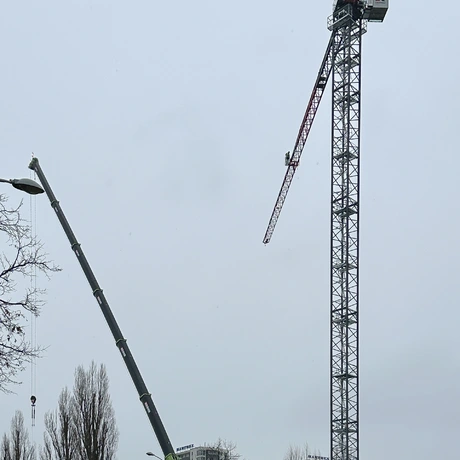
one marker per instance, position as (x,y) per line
(162,129)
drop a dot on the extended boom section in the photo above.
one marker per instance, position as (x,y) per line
(346,102)
(307,122)
(120,341)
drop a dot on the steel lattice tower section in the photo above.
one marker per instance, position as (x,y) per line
(342,60)
(346,104)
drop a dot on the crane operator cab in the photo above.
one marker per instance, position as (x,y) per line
(373,10)
(287,158)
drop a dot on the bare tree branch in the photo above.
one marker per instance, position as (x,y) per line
(227,449)
(22,259)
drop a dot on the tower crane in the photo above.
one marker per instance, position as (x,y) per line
(342,61)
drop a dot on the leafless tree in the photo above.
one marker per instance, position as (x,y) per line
(94,415)
(17,445)
(294,453)
(301,453)
(60,434)
(5,448)
(84,426)
(22,258)
(227,449)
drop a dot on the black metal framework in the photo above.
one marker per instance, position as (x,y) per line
(346,91)
(144,395)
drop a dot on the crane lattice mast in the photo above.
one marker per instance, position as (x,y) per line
(346,115)
(342,60)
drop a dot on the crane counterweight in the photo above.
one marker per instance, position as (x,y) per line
(375,10)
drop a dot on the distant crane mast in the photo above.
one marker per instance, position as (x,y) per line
(342,60)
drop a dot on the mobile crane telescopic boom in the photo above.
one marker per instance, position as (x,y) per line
(120,341)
